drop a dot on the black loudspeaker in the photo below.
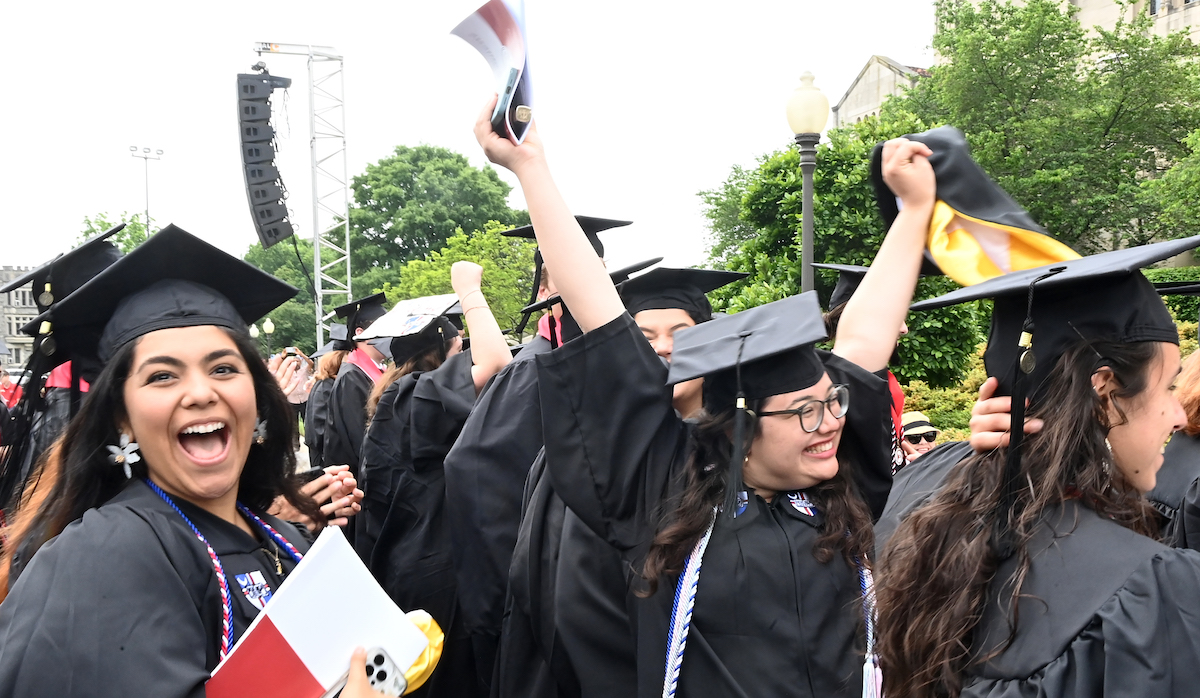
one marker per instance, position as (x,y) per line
(264,188)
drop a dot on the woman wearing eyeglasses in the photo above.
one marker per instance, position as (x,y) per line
(919,435)
(772,488)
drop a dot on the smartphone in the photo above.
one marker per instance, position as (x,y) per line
(382,672)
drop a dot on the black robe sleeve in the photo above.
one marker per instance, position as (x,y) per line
(485,473)
(316,421)
(102,611)
(347,417)
(612,436)
(915,485)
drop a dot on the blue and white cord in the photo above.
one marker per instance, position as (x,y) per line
(681,615)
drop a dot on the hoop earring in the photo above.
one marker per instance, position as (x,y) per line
(124,455)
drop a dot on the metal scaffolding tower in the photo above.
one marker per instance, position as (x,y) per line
(330,180)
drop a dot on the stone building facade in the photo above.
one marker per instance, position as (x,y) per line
(879,79)
(1169,15)
(18,309)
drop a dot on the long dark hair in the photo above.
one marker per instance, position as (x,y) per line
(935,573)
(847,525)
(88,480)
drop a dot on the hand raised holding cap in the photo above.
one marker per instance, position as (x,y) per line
(907,172)
(499,149)
(465,277)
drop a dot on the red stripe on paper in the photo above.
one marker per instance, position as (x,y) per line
(264,666)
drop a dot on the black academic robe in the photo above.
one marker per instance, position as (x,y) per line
(125,601)
(402,531)
(316,421)
(915,484)
(485,478)
(768,618)
(1104,612)
(347,417)
(567,624)
(1177,493)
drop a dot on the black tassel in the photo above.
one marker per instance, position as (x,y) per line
(733,479)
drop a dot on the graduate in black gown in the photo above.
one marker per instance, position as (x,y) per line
(568,616)
(1056,518)
(42,413)
(316,417)
(184,434)
(485,470)
(360,369)
(405,536)
(780,608)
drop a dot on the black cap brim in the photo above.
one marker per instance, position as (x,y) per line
(618,277)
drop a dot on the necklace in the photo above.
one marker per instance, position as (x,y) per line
(219,569)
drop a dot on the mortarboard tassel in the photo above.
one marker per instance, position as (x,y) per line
(733,479)
(537,282)
(1006,509)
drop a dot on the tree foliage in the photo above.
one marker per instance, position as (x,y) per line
(132,235)
(1069,122)
(408,204)
(295,321)
(847,229)
(507,271)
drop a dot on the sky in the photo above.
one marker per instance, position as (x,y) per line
(641,104)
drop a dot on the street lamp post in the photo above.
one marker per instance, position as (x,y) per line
(807,113)
(254,335)
(146,158)
(269,329)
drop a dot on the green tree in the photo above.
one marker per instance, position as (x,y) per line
(1070,123)
(847,230)
(295,321)
(408,204)
(723,208)
(507,270)
(130,237)
(1173,197)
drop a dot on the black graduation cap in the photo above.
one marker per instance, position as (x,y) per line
(851,275)
(977,230)
(58,278)
(685,289)
(1040,313)
(337,341)
(173,279)
(414,326)
(570,329)
(753,354)
(590,225)
(362,312)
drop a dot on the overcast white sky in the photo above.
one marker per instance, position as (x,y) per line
(641,104)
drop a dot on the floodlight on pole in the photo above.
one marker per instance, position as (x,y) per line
(807,114)
(146,158)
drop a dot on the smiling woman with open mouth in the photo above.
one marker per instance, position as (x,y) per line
(166,552)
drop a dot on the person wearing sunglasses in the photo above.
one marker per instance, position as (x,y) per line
(919,435)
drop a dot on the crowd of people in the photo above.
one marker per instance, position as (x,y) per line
(645,497)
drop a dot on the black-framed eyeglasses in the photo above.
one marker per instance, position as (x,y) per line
(915,439)
(812,412)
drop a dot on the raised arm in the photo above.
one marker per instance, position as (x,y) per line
(578,273)
(489,351)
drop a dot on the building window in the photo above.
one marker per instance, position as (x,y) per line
(16,355)
(1153,7)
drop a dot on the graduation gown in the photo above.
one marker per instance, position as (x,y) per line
(485,479)
(125,601)
(347,417)
(1104,612)
(402,531)
(915,485)
(768,618)
(567,629)
(1176,495)
(316,421)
